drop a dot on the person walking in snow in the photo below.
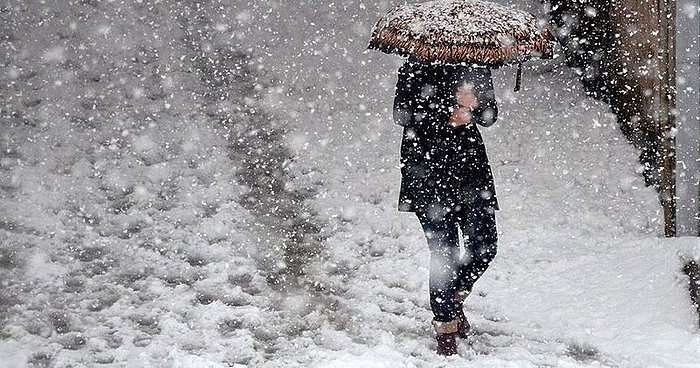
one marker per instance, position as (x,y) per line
(447,182)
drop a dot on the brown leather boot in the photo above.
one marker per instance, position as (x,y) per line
(446,336)
(463,327)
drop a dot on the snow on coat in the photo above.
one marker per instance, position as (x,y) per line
(443,167)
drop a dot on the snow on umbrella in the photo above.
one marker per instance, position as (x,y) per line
(462,31)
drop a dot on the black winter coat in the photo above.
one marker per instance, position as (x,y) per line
(443,168)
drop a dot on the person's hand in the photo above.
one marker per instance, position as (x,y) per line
(467,102)
(460,116)
(465,97)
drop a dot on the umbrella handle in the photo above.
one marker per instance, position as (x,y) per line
(518,77)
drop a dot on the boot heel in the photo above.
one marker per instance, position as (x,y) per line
(446,337)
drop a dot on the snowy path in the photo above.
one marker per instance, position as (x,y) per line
(581,279)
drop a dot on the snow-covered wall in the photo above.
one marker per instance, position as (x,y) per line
(614,44)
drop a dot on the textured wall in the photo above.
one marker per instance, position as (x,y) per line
(634,66)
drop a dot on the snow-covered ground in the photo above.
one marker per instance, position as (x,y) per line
(160,193)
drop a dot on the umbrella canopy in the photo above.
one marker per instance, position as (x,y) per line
(462,31)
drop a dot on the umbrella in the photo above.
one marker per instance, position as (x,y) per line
(462,31)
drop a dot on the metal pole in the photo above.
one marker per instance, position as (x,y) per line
(666,126)
(687,54)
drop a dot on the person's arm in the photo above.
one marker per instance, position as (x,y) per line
(404,98)
(486,112)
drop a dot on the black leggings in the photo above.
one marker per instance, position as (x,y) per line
(448,272)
